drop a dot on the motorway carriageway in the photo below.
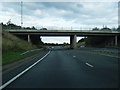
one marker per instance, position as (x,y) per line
(68,69)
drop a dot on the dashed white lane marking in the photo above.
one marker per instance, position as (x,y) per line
(17,76)
(89,64)
(74,56)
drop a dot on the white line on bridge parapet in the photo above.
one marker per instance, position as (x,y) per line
(62,31)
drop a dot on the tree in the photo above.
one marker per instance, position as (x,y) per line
(27,28)
(81,40)
(64,44)
(11,26)
(33,28)
(105,29)
(118,29)
(113,29)
(95,29)
(43,29)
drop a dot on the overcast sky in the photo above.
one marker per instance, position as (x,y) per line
(61,15)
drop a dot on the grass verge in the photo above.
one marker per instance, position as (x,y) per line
(10,57)
(102,53)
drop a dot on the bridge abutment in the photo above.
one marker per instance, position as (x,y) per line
(73,41)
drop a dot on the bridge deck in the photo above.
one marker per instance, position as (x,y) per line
(64,32)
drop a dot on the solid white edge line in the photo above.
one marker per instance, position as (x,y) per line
(89,64)
(17,76)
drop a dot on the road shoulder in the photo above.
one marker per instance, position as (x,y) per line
(10,70)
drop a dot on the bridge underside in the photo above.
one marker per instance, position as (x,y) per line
(35,39)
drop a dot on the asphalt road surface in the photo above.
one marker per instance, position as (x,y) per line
(71,69)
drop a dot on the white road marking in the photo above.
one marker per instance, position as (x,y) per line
(17,76)
(89,64)
(74,56)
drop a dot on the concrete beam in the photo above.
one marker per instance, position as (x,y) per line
(73,41)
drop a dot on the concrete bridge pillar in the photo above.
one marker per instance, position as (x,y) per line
(29,40)
(1,26)
(116,42)
(73,41)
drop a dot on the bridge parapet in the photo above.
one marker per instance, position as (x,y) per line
(77,31)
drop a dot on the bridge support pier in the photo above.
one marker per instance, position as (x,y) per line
(1,26)
(73,41)
(29,38)
(116,40)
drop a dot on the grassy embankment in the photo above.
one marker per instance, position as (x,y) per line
(101,52)
(13,46)
(80,44)
(97,52)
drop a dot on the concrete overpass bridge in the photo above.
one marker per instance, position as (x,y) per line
(72,33)
(35,34)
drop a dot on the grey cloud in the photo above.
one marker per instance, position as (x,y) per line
(79,5)
(75,11)
(11,5)
(70,6)
(29,8)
